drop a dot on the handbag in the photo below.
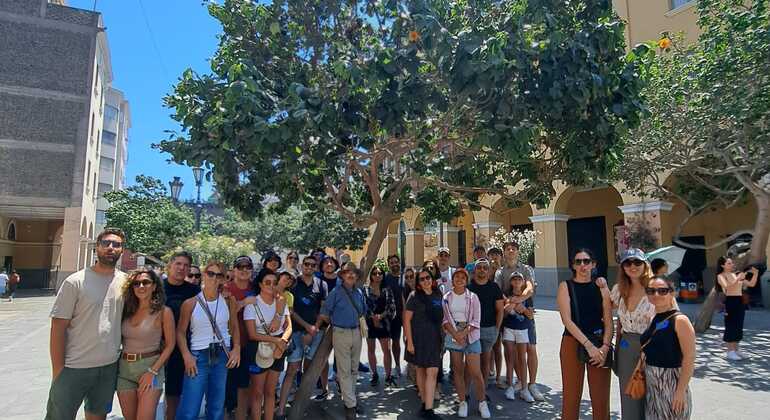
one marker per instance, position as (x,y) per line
(596,339)
(637,385)
(361,320)
(265,350)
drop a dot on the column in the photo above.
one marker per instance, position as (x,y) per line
(483,231)
(70,244)
(552,253)
(644,225)
(452,241)
(415,248)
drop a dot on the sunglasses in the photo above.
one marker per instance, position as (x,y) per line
(308,264)
(425,278)
(661,291)
(141,283)
(195,275)
(215,274)
(583,261)
(244,267)
(107,242)
(377,273)
(635,263)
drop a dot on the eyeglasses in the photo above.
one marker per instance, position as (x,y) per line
(105,243)
(215,274)
(583,261)
(425,278)
(141,283)
(661,291)
(634,262)
(195,275)
(244,267)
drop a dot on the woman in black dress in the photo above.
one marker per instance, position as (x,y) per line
(382,309)
(424,314)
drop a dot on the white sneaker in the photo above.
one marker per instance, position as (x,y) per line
(484,410)
(510,393)
(536,394)
(740,354)
(526,396)
(462,411)
(731,355)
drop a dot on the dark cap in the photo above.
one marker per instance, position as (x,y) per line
(633,254)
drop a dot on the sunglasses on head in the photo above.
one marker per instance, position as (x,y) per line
(634,262)
(661,291)
(141,283)
(215,274)
(107,242)
(583,261)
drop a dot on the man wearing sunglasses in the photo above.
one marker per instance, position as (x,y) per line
(86,335)
(240,287)
(177,291)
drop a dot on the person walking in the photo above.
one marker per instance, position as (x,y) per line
(395,282)
(634,315)
(492,302)
(462,321)
(733,285)
(382,310)
(344,309)
(423,317)
(669,356)
(586,312)
(268,342)
(240,287)
(86,335)
(149,337)
(515,335)
(3,282)
(13,284)
(212,324)
(177,291)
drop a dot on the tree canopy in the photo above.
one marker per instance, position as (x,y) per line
(205,247)
(152,223)
(709,123)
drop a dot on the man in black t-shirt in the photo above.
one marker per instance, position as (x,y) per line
(491,301)
(177,291)
(393,281)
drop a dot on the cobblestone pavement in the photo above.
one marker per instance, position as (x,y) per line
(721,390)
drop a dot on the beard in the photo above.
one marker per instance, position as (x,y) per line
(108,260)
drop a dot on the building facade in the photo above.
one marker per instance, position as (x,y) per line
(55,75)
(113,154)
(596,217)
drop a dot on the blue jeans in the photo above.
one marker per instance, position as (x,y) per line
(210,380)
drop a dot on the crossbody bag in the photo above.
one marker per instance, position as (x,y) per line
(636,386)
(596,339)
(361,320)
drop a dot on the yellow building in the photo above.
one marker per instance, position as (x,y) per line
(594,217)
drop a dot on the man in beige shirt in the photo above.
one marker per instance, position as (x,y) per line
(86,334)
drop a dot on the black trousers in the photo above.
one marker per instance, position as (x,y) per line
(735,312)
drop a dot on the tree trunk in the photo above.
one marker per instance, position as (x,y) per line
(310,377)
(757,254)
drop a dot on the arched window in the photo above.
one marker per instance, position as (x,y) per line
(11,231)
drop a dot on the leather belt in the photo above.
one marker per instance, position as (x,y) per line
(135,357)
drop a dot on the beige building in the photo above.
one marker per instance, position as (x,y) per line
(595,217)
(55,75)
(113,153)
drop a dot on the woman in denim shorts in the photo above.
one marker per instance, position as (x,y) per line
(462,315)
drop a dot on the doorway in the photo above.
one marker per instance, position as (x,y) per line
(591,233)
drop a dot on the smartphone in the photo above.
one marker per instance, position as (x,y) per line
(749,275)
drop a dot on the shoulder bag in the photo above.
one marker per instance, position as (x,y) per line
(637,385)
(265,349)
(361,320)
(596,339)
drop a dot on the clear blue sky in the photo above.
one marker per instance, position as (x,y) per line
(185,36)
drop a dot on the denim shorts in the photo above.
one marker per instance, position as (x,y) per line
(488,338)
(469,348)
(297,350)
(532,333)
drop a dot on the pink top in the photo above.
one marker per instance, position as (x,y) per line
(472,312)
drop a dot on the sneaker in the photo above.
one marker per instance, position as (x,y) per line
(535,392)
(323,396)
(462,410)
(740,354)
(429,414)
(526,396)
(363,368)
(501,384)
(731,355)
(484,410)
(390,382)
(375,380)
(510,393)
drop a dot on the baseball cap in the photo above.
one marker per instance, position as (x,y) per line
(243,259)
(482,261)
(444,249)
(516,274)
(633,254)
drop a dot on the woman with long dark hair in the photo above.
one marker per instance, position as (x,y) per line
(423,316)
(586,312)
(634,315)
(733,285)
(147,325)
(669,356)
(382,310)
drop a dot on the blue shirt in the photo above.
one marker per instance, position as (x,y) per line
(338,308)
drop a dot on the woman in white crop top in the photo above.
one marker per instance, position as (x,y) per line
(208,354)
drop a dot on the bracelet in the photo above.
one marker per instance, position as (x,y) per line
(153,371)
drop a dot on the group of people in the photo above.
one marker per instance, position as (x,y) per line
(240,337)
(9,284)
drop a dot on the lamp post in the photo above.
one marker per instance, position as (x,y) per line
(198,174)
(176,187)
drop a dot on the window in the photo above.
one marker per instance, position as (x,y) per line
(675,4)
(101,217)
(12,231)
(103,188)
(111,113)
(106,164)
(88,181)
(108,138)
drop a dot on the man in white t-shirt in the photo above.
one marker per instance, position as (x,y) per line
(3,281)
(445,283)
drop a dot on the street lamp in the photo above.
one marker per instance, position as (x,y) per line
(198,174)
(176,187)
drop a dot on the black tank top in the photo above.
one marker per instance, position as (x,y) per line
(663,349)
(588,300)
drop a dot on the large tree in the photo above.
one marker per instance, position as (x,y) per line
(152,222)
(370,107)
(707,140)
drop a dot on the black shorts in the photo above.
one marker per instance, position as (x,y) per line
(174,374)
(395,329)
(251,366)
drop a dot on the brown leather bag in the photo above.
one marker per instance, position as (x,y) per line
(637,385)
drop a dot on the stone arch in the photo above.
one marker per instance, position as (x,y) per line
(10,232)
(84,228)
(412,217)
(91,231)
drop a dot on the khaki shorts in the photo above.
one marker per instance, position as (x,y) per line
(74,385)
(130,372)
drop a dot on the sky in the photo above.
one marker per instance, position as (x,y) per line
(184,36)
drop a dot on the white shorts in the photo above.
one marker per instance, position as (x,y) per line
(516,336)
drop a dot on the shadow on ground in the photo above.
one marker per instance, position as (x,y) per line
(752,374)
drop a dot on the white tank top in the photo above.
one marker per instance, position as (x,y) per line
(200,327)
